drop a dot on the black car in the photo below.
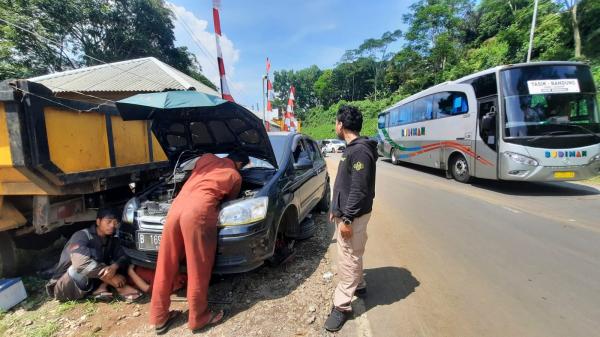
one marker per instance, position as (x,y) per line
(286,179)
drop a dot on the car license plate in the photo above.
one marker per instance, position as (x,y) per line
(564,174)
(148,241)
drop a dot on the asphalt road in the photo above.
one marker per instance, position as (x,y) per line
(481,259)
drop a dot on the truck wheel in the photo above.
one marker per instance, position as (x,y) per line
(460,169)
(395,159)
(8,255)
(324,203)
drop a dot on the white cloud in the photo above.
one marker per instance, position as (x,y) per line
(203,45)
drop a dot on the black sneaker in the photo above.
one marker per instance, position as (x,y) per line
(362,292)
(336,320)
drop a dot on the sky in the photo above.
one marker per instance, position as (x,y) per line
(293,34)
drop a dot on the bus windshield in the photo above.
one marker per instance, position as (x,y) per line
(548,101)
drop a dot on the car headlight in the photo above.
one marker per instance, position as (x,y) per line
(129,210)
(521,159)
(244,212)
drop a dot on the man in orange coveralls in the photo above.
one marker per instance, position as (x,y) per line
(190,232)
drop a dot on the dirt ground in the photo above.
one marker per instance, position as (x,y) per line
(290,300)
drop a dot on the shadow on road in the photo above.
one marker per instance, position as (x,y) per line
(516,188)
(525,188)
(388,285)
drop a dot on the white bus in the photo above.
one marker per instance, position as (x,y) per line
(534,121)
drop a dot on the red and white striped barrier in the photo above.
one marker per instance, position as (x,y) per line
(225,93)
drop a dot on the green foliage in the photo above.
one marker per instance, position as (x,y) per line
(445,40)
(106,30)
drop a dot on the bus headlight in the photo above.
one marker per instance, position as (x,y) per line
(595,158)
(129,210)
(521,159)
(244,212)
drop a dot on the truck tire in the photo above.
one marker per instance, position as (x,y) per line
(8,255)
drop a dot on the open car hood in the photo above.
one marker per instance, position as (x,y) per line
(220,130)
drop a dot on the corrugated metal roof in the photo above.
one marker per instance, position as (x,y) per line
(144,74)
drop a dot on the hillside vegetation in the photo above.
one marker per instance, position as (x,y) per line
(444,40)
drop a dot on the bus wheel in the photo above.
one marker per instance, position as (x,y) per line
(395,159)
(460,169)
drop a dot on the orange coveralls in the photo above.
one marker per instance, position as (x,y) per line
(190,232)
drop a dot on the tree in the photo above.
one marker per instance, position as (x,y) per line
(102,30)
(571,6)
(303,80)
(437,29)
(589,23)
(375,49)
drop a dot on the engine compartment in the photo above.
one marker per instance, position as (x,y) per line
(157,200)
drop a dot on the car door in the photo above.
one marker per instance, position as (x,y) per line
(318,181)
(302,177)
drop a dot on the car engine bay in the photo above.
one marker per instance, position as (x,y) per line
(157,201)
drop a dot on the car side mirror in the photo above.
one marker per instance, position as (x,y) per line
(488,122)
(303,164)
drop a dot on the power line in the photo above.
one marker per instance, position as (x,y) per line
(198,43)
(57,44)
(97,107)
(202,48)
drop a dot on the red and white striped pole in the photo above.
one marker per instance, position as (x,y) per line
(290,124)
(225,93)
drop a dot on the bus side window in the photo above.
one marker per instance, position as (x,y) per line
(460,104)
(450,104)
(381,121)
(406,113)
(422,109)
(395,117)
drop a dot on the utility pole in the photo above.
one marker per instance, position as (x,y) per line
(535,7)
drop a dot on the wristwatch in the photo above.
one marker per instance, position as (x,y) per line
(347,221)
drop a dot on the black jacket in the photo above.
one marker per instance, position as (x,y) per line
(354,187)
(86,244)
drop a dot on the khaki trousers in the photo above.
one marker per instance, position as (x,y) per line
(350,262)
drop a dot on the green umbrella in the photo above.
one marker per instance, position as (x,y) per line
(153,105)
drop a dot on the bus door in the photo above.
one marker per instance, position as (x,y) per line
(486,142)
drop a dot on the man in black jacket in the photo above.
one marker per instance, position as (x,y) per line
(351,207)
(92,260)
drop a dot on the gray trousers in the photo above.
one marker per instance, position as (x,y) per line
(350,262)
(81,278)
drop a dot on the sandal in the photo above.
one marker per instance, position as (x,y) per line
(104,296)
(212,321)
(162,329)
(131,297)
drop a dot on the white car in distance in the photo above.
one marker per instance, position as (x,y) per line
(333,145)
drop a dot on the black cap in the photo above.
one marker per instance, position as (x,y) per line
(106,212)
(239,157)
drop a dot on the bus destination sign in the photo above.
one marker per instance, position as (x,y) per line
(559,86)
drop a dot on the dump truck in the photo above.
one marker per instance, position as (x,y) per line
(61,160)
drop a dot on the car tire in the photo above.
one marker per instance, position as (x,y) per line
(325,202)
(459,168)
(394,156)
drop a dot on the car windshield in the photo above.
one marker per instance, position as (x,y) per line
(278,144)
(547,101)
(254,162)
